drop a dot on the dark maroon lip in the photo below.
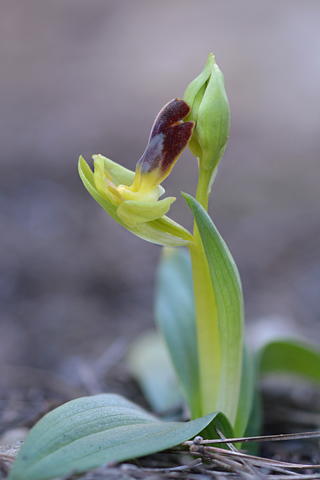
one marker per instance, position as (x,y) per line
(169,137)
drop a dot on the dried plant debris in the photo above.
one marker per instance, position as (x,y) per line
(293,455)
(281,456)
(201,460)
(251,466)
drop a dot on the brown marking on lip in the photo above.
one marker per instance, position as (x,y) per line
(169,137)
(172,113)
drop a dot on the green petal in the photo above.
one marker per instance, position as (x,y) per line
(133,212)
(99,179)
(87,178)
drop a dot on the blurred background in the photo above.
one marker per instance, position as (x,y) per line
(87,77)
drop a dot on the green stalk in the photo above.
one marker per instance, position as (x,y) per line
(217,287)
(206,311)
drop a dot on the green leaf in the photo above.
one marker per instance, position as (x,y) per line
(229,301)
(175,317)
(162,231)
(221,423)
(150,364)
(90,431)
(290,357)
(247,393)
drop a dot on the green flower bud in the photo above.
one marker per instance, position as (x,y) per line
(206,95)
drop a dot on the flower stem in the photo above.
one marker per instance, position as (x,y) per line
(206,310)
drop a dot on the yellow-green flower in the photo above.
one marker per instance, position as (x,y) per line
(131,198)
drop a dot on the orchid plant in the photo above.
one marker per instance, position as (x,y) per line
(198,305)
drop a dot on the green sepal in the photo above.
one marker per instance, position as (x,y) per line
(193,96)
(119,174)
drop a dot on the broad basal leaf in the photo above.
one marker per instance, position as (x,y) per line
(248,391)
(90,431)
(150,364)
(175,317)
(290,357)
